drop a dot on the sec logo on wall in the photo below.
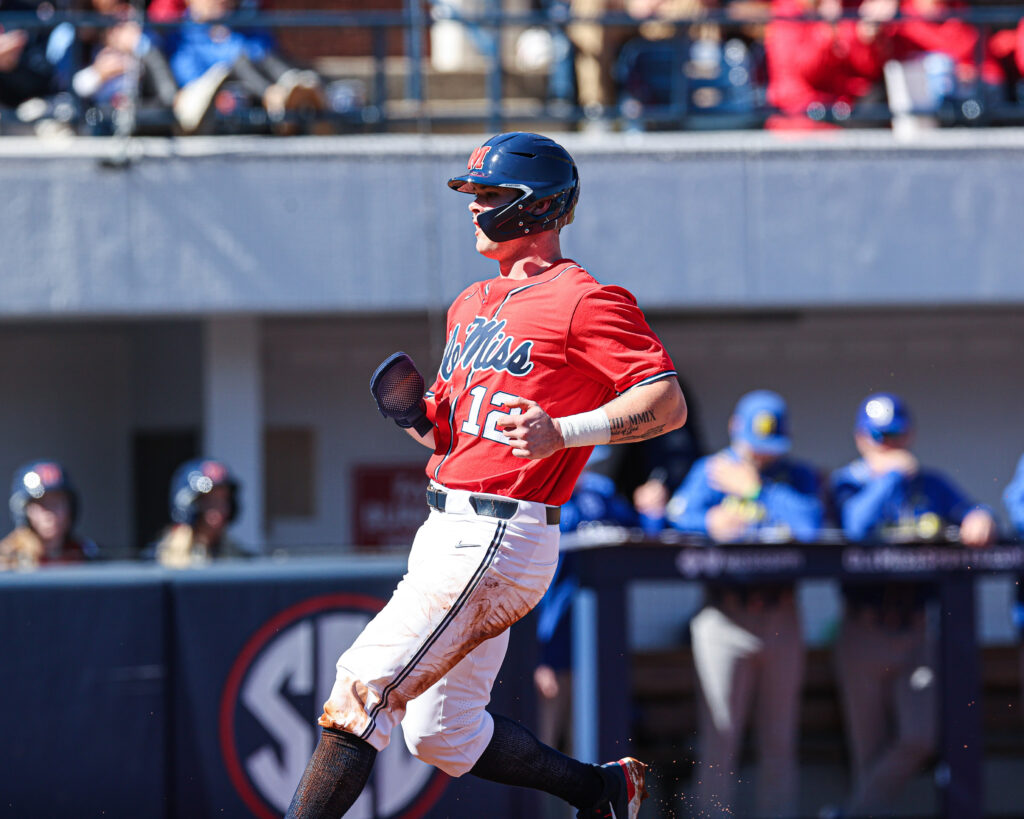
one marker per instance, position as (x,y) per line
(273,696)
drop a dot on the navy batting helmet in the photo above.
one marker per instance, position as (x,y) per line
(34,480)
(196,478)
(535,165)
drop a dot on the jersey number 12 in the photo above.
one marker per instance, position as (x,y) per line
(471,425)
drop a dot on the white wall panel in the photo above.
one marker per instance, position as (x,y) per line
(333,225)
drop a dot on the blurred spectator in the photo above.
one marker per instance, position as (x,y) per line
(1005,48)
(127,63)
(594,502)
(819,70)
(35,65)
(936,66)
(701,66)
(597,46)
(44,507)
(747,645)
(935,33)
(205,54)
(885,657)
(204,502)
(166,11)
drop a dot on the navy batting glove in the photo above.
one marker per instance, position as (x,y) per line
(398,388)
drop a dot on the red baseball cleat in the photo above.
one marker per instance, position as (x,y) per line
(624,791)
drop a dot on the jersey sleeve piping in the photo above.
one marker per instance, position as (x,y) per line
(650,380)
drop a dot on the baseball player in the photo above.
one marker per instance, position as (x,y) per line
(747,644)
(885,656)
(44,506)
(542,363)
(203,503)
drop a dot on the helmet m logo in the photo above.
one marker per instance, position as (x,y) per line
(476,159)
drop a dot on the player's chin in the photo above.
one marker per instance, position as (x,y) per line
(484,245)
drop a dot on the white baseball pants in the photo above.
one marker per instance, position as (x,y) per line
(430,657)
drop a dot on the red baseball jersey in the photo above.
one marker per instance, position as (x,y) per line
(559,338)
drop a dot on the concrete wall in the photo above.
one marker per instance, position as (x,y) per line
(98,228)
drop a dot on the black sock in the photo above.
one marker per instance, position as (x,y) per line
(334,776)
(516,757)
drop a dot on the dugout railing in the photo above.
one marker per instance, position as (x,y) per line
(655,80)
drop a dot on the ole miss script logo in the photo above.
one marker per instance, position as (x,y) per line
(273,695)
(486,347)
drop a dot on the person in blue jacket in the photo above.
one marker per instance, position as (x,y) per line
(595,501)
(204,53)
(884,654)
(747,643)
(885,494)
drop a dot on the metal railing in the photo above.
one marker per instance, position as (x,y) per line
(981,106)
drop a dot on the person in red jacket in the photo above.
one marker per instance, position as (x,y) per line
(933,31)
(820,69)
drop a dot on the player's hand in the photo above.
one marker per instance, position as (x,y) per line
(883,461)
(978,529)
(546,680)
(651,498)
(724,524)
(110,63)
(12,43)
(531,432)
(733,477)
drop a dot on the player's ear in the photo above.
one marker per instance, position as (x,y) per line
(539,208)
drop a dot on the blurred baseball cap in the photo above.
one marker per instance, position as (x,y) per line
(882,415)
(761,421)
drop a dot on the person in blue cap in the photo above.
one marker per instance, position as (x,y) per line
(885,657)
(747,643)
(885,494)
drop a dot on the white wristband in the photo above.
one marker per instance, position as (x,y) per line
(586,428)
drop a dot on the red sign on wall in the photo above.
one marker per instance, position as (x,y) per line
(389,504)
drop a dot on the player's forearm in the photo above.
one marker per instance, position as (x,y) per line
(426,440)
(646,412)
(641,413)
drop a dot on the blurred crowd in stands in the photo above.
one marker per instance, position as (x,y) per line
(196,66)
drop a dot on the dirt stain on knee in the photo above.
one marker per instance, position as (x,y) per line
(348,714)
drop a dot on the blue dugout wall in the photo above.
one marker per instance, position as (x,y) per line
(135,692)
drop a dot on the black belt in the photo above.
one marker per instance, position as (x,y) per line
(490,507)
